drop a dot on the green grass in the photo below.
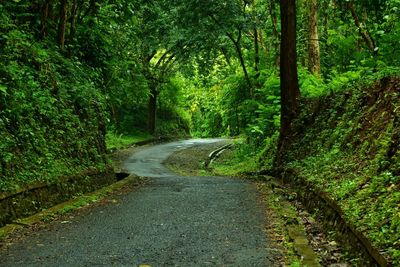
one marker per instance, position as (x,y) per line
(240,160)
(116,141)
(236,167)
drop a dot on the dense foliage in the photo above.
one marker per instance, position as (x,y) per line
(52,114)
(344,57)
(69,72)
(347,144)
(75,71)
(357,43)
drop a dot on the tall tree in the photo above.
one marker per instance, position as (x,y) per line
(290,92)
(236,40)
(353,7)
(157,74)
(275,33)
(73,18)
(159,50)
(45,10)
(62,23)
(369,41)
(313,62)
(238,47)
(214,22)
(256,54)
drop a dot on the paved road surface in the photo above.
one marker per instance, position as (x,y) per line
(173,221)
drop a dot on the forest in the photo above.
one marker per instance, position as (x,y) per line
(312,88)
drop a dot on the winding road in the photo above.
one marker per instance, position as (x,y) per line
(171,221)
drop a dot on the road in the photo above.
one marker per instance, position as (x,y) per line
(172,221)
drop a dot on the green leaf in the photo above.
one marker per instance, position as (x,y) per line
(3,89)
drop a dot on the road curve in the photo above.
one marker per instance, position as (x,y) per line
(172,221)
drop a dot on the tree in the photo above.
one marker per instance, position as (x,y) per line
(313,62)
(275,33)
(256,53)
(45,9)
(350,6)
(159,51)
(157,74)
(290,92)
(219,25)
(369,41)
(234,15)
(62,23)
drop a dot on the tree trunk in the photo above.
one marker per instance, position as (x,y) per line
(62,23)
(152,108)
(275,33)
(290,92)
(256,54)
(72,29)
(273,18)
(369,41)
(224,52)
(44,20)
(243,64)
(262,42)
(325,10)
(115,117)
(238,49)
(314,62)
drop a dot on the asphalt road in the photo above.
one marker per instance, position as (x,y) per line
(172,221)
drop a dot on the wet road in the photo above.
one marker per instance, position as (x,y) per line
(172,221)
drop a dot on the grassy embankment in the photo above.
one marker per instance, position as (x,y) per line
(117,141)
(346,144)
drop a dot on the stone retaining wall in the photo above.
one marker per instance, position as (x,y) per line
(332,217)
(35,198)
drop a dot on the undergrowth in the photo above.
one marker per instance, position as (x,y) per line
(116,141)
(240,160)
(347,144)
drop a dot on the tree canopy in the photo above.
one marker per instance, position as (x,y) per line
(74,71)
